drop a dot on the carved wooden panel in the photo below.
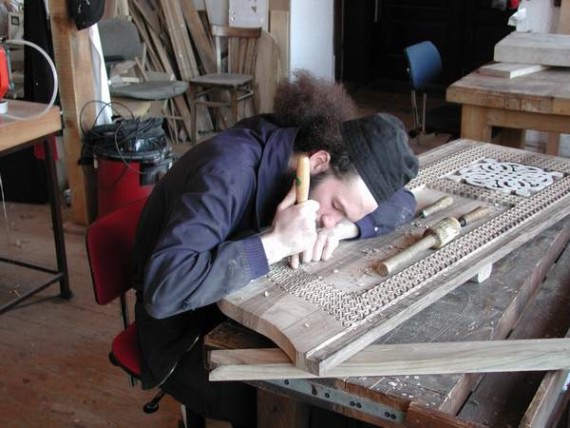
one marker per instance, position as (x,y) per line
(324,313)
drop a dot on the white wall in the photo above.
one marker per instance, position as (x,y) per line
(541,16)
(311,41)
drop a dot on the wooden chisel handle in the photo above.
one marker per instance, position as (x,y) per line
(440,234)
(302,184)
(303,178)
(478,213)
(390,265)
(438,205)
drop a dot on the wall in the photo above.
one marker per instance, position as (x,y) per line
(541,16)
(311,38)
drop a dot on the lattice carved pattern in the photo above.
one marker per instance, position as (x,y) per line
(351,307)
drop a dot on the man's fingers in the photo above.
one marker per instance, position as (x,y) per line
(319,246)
(294,261)
(329,248)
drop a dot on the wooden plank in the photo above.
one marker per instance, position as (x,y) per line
(325,336)
(510,70)
(564,18)
(477,122)
(279,28)
(552,143)
(183,50)
(420,416)
(542,92)
(14,132)
(402,360)
(279,411)
(158,50)
(546,316)
(199,36)
(267,72)
(544,402)
(486,311)
(181,44)
(76,88)
(534,48)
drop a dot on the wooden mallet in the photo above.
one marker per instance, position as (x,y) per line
(440,234)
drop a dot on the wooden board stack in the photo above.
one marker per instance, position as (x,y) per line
(519,54)
(534,48)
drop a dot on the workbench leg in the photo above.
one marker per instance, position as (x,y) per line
(552,143)
(474,123)
(278,411)
(511,137)
(56,219)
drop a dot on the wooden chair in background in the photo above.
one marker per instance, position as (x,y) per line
(233,83)
(124,55)
(424,67)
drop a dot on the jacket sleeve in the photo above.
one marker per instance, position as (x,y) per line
(395,211)
(194,263)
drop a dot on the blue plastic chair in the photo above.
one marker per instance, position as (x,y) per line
(424,67)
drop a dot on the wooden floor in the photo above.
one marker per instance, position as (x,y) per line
(54,367)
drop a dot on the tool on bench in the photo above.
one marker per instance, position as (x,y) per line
(437,206)
(440,234)
(302,183)
(302,178)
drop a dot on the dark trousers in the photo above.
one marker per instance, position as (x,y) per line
(233,402)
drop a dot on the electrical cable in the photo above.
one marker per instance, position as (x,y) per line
(126,139)
(55,80)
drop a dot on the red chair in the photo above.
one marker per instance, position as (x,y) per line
(109,241)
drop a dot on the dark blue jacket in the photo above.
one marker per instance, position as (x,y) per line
(198,238)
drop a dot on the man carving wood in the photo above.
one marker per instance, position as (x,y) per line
(227,210)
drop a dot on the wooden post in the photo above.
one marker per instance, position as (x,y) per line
(278,411)
(76,88)
(552,138)
(564,19)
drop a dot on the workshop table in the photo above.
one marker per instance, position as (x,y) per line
(16,135)
(538,101)
(515,302)
(526,296)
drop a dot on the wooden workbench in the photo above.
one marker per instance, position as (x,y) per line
(515,302)
(19,134)
(538,101)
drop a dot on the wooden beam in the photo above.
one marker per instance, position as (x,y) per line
(534,48)
(200,38)
(564,18)
(76,87)
(279,28)
(552,389)
(510,70)
(280,411)
(401,359)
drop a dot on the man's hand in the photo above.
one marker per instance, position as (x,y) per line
(327,241)
(293,230)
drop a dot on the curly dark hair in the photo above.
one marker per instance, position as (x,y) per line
(317,107)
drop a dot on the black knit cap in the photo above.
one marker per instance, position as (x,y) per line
(378,147)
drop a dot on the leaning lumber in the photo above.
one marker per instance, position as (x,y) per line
(401,360)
